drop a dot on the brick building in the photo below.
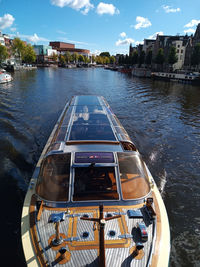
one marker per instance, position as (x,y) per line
(62,48)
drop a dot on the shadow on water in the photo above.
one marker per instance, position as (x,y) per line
(162,119)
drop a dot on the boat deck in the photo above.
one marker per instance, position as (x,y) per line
(81,238)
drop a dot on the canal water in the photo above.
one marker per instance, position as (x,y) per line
(163,119)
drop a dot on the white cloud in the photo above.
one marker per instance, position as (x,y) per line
(104,8)
(6,21)
(141,23)
(13,29)
(139,42)
(153,36)
(169,9)
(126,41)
(96,52)
(122,34)
(30,38)
(83,5)
(61,32)
(189,31)
(192,23)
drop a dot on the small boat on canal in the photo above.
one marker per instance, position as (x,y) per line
(92,200)
(5,77)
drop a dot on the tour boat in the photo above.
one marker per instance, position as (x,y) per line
(92,200)
(5,77)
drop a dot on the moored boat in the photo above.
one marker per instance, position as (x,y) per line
(5,77)
(92,200)
(188,78)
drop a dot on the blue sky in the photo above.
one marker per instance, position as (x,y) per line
(107,25)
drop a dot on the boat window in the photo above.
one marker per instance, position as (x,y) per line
(134,181)
(53,182)
(95,183)
(91,132)
(88,100)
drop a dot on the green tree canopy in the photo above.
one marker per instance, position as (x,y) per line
(99,60)
(172,57)
(62,59)
(81,58)
(68,57)
(29,55)
(160,58)
(75,57)
(93,59)
(112,60)
(18,47)
(3,53)
(141,58)
(134,58)
(195,59)
(105,54)
(148,58)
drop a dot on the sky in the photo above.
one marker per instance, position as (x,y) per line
(105,25)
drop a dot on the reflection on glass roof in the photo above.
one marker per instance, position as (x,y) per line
(88,100)
(90,118)
(89,108)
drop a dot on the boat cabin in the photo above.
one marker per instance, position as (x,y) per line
(91,158)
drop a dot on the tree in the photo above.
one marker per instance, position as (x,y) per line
(99,60)
(195,58)
(112,60)
(106,60)
(148,58)
(141,58)
(54,57)
(29,55)
(93,59)
(172,57)
(62,60)
(160,59)
(105,54)
(134,58)
(75,57)
(68,57)
(81,58)
(3,53)
(18,47)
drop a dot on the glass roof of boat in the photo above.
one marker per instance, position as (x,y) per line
(89,121)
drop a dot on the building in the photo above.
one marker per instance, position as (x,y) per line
(166,42)
(192,42)
(44,53)
(2,41)
(148,45)
(62,48)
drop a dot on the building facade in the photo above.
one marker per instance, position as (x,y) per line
(62,48)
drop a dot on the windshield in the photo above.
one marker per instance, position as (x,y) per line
(95,183)
(134,180)
(53,182)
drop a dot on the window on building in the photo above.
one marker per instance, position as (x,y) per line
(177,50)
(181,51)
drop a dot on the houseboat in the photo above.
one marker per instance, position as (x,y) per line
(92,200)
(188,78)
